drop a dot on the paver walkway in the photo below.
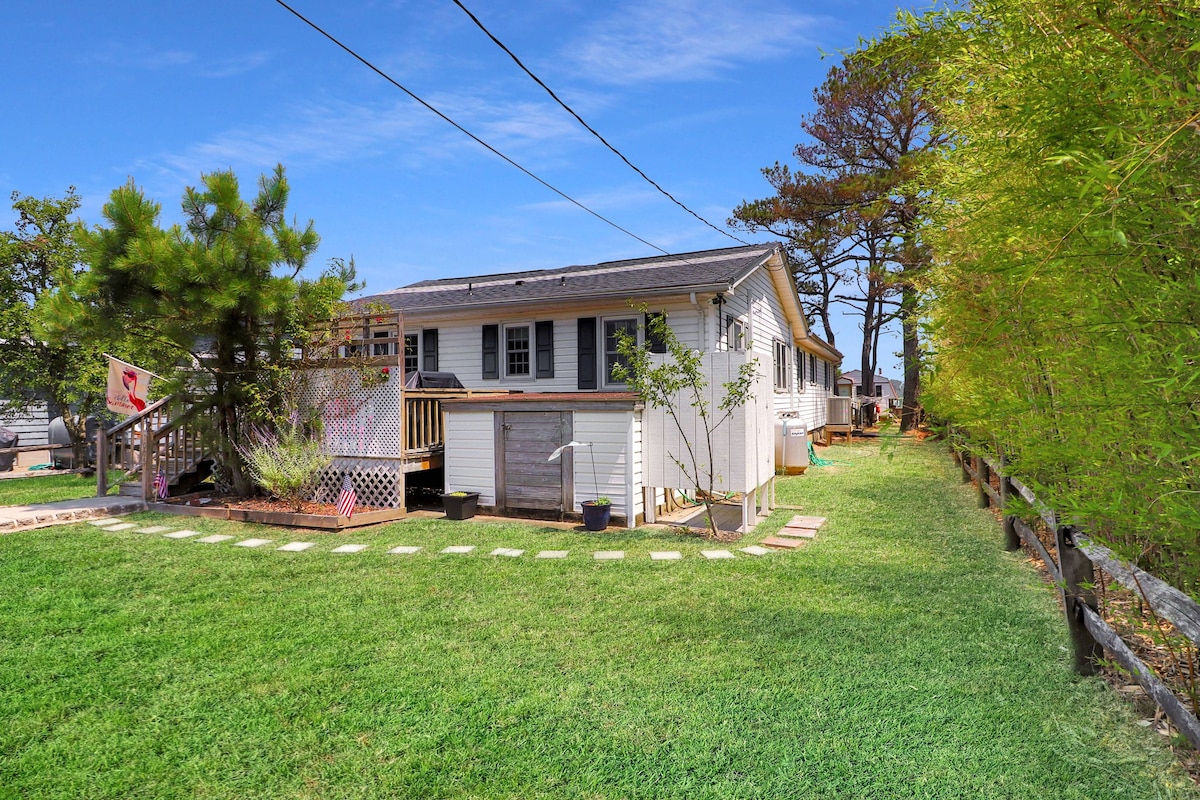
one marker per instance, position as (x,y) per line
(15,518)
(102,512)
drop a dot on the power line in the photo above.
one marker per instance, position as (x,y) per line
(589,128)
(463,130)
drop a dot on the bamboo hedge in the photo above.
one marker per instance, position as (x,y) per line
(1063,310)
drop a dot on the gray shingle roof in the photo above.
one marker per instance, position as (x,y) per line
(706,270)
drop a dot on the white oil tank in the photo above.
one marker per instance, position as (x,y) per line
(791,446)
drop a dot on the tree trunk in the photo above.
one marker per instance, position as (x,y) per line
(76,425)
(910,412)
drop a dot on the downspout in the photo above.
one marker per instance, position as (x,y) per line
(701,320)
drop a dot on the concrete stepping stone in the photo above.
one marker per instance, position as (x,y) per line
(608,555)
(295,547)
(507,552)
(715,554)
(666,555)
(805,522)
(101,523)
(124,526)
(552,554)
(403,550)
(782,542)
(458,549)
(350,548)
(180,534)
(755,550)
(153,529)
(216,537)
(798,533)
(253,542)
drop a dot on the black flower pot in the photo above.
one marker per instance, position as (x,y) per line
(595,517)
(460,506)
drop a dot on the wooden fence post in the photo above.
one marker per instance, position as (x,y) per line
(1012,539)
(101,460)
(982,475)
(1078,577)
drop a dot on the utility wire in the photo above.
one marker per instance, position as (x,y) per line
(589,128)
(463,130)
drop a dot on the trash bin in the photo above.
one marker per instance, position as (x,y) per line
(8,438)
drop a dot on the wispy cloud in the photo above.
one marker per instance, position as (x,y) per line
(402,132)
(676,40)
(139,56)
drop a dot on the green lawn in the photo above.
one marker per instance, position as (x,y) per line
(48,488)
(902,654)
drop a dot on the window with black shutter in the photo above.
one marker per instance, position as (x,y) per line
(658,344)
(586,344)
(491,352)
(429,343)
(544,336)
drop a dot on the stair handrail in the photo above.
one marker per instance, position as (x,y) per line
(106,438)
(153,457)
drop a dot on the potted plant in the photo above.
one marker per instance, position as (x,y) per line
(460,505)
(596,513)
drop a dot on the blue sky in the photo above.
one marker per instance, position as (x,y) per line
(699,94)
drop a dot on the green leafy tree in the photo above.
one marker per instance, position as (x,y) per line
(44,362)
(223,291)
(677,383)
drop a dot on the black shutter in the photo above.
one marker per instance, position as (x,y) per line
(544,344)
(657,344)
(587,353)
(429,341)
(491,352)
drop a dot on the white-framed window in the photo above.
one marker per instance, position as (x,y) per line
(611,357)
(812,367)
(518,350)
(735,333)
(383,348)
(412,345)
(783,366)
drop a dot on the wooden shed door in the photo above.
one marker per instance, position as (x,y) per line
(524,476)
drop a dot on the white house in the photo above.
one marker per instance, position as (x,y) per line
(550,335)
(886,392)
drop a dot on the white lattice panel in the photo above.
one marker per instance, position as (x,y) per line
(378,483)
(357,420)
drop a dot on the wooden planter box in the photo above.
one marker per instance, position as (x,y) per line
(284,518)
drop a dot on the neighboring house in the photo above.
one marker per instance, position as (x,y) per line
(887,392)
(32,425)
(551,335)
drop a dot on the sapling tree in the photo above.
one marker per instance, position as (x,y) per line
(678,384)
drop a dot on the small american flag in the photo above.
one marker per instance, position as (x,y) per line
(347,499)
(160,484)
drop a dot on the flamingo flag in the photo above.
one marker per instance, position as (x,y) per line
(127,387)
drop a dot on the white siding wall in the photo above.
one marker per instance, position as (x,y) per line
(460,343)
(610,434)
(638,469)
(471,454)
(741,445)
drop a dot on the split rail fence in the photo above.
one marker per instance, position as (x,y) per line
(1072,567)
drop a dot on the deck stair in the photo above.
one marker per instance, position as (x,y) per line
(154,441)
